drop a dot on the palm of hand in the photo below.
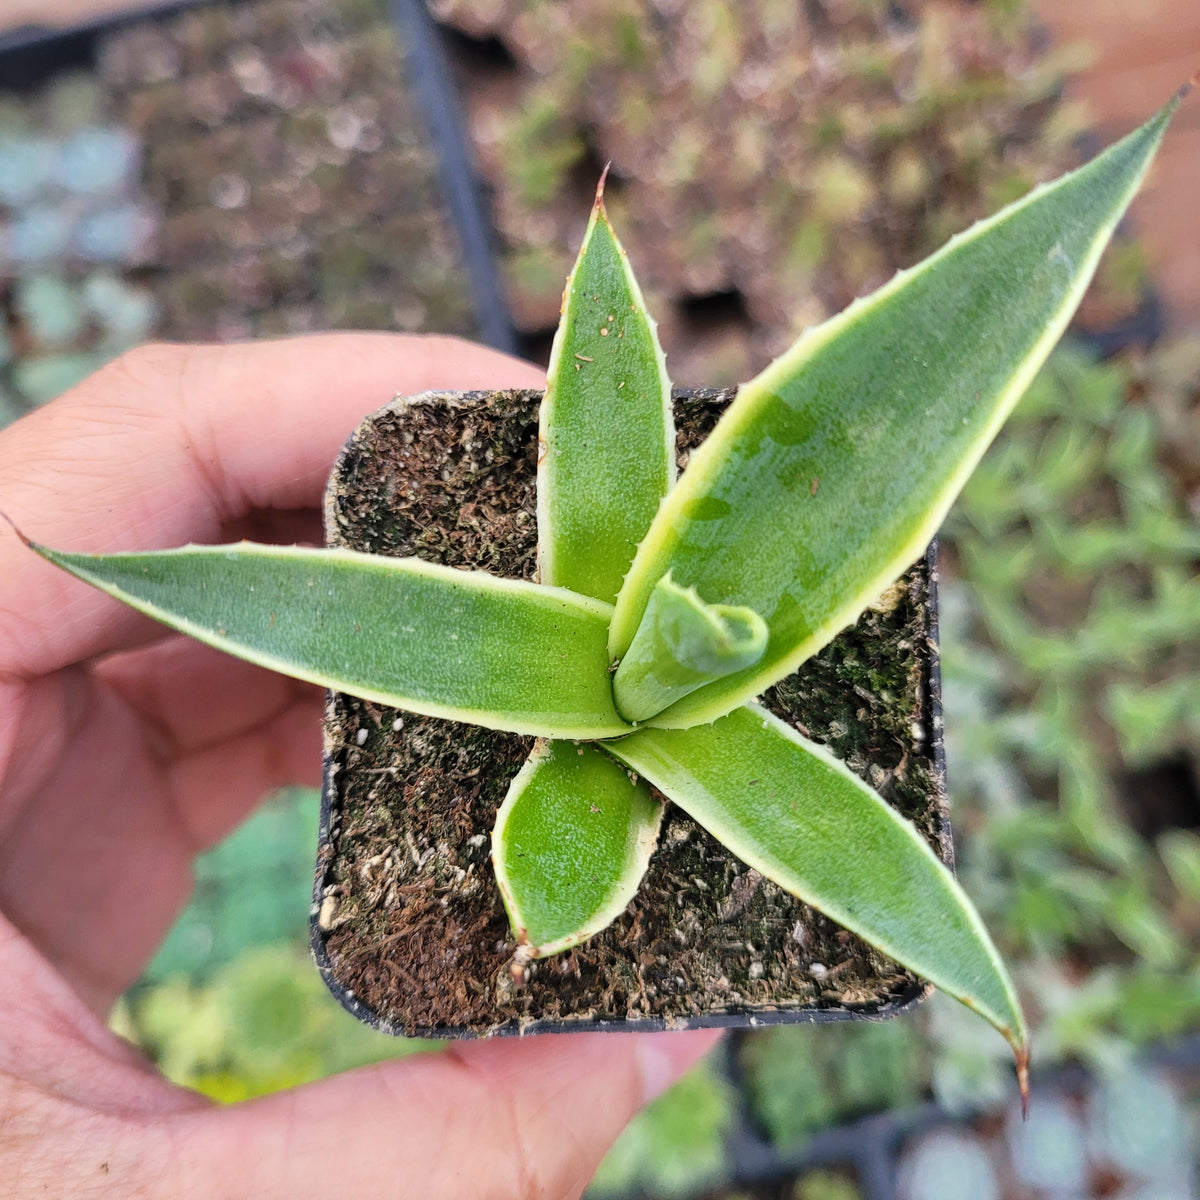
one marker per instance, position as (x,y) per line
(125,752)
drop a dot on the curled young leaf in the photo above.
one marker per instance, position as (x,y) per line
(682,644)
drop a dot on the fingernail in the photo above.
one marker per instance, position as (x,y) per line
(663,1057)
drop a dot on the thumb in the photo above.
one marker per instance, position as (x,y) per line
(501,1120)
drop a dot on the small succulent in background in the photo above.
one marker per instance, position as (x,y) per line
(855,138)
(665,607)
(1124,1134)
(295,178)
(947,1162)
(74,225)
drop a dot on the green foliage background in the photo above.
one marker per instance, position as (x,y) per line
(232,1005)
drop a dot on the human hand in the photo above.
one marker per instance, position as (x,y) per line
(126,750)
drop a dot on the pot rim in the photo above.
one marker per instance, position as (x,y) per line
(728,1019)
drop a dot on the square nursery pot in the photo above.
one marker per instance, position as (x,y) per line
(408,928)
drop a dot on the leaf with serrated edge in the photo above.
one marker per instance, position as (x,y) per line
(788,808)
(574,834)
(463,645)
(606,453)
(571,844)
(831,471)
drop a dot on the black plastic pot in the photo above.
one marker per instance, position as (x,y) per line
(407,927)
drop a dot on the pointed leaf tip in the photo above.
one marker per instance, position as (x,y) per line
(607,438)
(598,203)
(13,526)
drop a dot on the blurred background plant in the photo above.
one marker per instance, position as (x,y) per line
(231,1005)
(74,227)
(264,168)
(770,160)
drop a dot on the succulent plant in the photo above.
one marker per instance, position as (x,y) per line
(664,607)
(947,1162)
(51,310)
(40,235)
(924,116)
(26,164)
(98,160)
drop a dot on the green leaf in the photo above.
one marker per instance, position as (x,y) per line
(462,645)
(832,469)
(678,1146)
(1179,850)
(794,812)
(574,834)
(682,644)
(607,452)
(571,844)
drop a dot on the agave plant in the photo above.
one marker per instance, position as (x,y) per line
(664,607)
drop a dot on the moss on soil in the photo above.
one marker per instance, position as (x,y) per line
(407,919)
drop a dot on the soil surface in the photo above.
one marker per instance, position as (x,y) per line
(408,925)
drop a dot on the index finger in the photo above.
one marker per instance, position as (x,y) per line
(168,443)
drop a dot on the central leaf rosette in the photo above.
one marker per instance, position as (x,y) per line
(680,645)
